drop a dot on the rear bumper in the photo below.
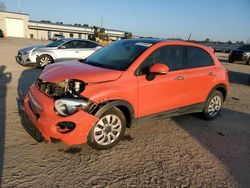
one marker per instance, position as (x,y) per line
(45,120)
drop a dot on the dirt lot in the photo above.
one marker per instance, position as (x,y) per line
(184,151)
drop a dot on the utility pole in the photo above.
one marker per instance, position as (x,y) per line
(19,6)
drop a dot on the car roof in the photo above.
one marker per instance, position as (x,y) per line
(72,39)
(147,40)
(156,41)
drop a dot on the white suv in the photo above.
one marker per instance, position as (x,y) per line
(60,50)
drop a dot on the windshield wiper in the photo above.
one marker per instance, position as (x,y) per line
(101,65)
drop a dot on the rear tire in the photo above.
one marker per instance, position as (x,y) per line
(213,105)
(109,129)
(44,60)
(248,61)
(230,60)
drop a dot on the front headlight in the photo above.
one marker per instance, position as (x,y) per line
(67,106)
(63,89)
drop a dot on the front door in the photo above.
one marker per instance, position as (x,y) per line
(162,92)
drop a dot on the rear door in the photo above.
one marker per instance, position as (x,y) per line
(69,50)
(86,48)
(201,75)
(162,92)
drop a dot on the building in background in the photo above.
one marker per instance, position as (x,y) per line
(19,25)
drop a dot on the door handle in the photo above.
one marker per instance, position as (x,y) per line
(211,73)
(179,78)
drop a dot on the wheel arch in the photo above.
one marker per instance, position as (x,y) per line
(122,105)
(221,88)
(47,54)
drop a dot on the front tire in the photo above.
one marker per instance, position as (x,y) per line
(44,60)
(213,105)
(109,129)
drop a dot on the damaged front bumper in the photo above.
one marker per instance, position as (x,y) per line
(24,59)
(40,111)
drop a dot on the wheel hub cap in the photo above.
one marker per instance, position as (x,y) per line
(107,129)
(214,106)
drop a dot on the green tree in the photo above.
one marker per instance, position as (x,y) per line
(241,43)
(102,30)
(127,35)
(207,40)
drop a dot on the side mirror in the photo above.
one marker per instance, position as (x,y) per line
(159,69)
(62,47)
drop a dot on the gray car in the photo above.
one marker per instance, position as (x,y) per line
(59,50)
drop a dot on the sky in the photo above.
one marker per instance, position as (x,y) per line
(222,20)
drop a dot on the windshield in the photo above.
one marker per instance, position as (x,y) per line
(55,43)
(119,55)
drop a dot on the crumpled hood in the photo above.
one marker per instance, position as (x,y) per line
(57,72)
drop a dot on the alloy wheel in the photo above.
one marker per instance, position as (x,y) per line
(107,129)
(45,61)
(214,106)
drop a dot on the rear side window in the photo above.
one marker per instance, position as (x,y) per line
(86,44)
(197,57)
(91,45)
(72,44)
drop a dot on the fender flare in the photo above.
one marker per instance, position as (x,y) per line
(117,103)
(217,87)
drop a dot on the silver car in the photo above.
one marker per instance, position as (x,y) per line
(60,50)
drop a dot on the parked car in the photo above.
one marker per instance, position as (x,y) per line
(1,33)
(58,37)
(130,80)
(240,54)
(59,50)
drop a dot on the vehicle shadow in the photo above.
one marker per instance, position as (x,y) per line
(5,78)
(226,137)
(27,78)
(239,78)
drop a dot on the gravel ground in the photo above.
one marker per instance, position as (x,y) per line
(184,151)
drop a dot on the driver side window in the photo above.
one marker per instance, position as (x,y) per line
(172,56)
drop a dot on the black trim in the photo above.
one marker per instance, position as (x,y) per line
(218,87)
(175,112)
(110,104)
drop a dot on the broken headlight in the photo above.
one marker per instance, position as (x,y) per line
(65,88)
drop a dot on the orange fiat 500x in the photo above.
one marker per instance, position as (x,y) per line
(96,99)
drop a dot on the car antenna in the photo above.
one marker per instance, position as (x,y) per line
(189,36)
